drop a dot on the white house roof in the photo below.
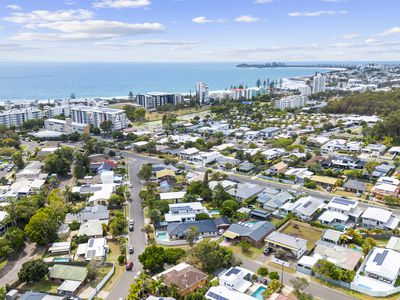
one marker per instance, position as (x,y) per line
(172,195)
(222,292)
(342,203)
(385,187)
(383,262)
(379,214)
(329,216)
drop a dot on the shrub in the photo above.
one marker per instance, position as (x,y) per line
(121,259)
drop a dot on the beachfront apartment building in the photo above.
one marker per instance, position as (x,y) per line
(153,100)
(66,126)
(293,101)
(19,116)
(202,95)
(319,83)
(58,110)
(97,115)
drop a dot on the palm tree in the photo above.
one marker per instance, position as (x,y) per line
(156,286)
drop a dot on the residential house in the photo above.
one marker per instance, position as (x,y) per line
(245,167)
(92,228)
(277,168)
(355,186)
(273,153)
(380,218)
(333,146)
(325,181)
(31,171)
(188,153)
(221,292)
(96,212)
(295,247)
(166,175)
(340,212)
(305,208)
(71,277)
(60,248)
(386,186)
(187,278)
(205,228)
(301,174)
(260,214)
(269,132)
(236,278)
(204,158)
(272,199)
(99,193)
(331,236)
(382,170)
(374,150)
(184,212)
(347,162)
(94,249)
(244,191)
(173,196)
(253,232)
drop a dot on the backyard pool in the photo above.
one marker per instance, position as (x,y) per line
(61,259)
(258,294)
(215,212)
(162,236)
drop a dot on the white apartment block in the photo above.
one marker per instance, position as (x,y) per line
(305,90)
(202,95)
(66,126)
(319,83)
(54,111)
(97,115)
(294,101)
(17,117)
(156,99)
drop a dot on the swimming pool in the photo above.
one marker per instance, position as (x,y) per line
(61,259)
(215,212)
(258,294)
(162,236)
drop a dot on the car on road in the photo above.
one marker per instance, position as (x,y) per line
(131,227)
(131,185)
(131,222)
(129,266)
(130,249)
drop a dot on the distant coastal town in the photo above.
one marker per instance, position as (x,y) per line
(292,65)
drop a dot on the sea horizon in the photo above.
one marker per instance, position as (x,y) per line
(28,81)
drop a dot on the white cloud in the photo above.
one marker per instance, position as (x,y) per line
(38,16)
(203,20)
(262,1)
(87,30)
(350,36)
(1,27)
(317,13)
(394,30)
(139,43)
(121,3)
(14,7)
(247,19)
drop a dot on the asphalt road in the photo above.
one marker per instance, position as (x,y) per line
(137,238)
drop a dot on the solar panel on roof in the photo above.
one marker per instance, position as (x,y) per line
(382,257)
(91,242)
(91,253)
(180,208)
(376,258)
(307,204)
(233,271)
(343,201)
(215,296)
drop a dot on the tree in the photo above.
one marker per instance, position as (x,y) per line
(262,271)
(92,268)
(172,255)
(5,248)
(42,227)
(273,275)
(18,160)
(130,96)
(210,256)
(202,216)
(152,259)
(106,126)
(368,244)
(55,164)
(299,284)
(370,167)
(3,292)
(145,172)
(16,238)
(33,271)
(191,235)
(118,224)
(115,200)
(229,207)
(245,246)
(273,286)
(82,164)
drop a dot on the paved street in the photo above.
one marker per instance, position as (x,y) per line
(137,238)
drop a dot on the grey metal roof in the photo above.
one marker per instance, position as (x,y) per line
(180,229)
(245,190)
(354,185)
(97,212)
(256,232)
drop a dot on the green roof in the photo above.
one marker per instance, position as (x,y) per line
(67,272)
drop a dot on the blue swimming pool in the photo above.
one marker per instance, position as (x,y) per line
(214,212)
(258,294)
(162,236)
(61,259)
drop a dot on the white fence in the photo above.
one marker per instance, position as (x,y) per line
(280,262)
(101,283)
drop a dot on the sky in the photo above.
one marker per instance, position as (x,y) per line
(199,30)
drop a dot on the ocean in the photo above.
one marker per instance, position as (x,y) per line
(32,81)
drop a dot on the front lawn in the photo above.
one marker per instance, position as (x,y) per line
(119,269)
(304,231)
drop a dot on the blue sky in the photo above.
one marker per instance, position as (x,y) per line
(199,30)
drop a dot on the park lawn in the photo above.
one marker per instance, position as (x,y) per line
(304,231)
(119,269)
(44,285)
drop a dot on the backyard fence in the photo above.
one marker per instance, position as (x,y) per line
(102,283)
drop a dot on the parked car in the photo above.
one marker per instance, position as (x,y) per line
(130,249)
(129,266)
(131,222)
(131,228)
